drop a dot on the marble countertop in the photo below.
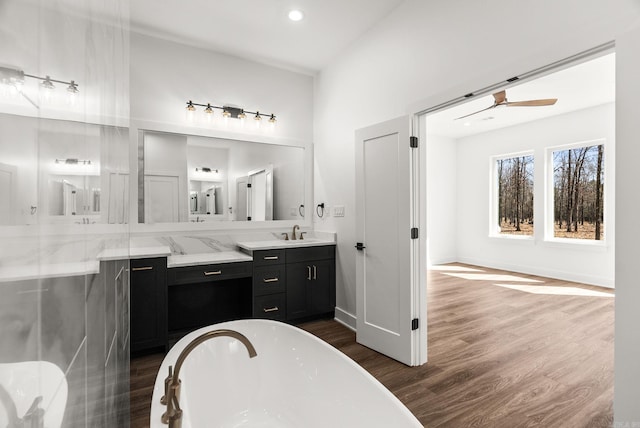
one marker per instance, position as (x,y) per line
(280,243)
(62,255)
(52,270)
(207,258)
(134,253)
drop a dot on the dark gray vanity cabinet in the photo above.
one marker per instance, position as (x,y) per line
(269,285)
(294,284)
(311,276)
(148,279)
(202,295)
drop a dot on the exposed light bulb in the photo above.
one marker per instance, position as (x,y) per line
(296,15)
(226,113)
(190,111)
(242,115)
(47,84)
(72,88)
(272,118)
(47,87)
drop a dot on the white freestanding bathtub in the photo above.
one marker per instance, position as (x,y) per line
(295,381)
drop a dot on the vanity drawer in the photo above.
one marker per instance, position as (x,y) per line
(270,306)
(269,279)
(206,273)
(310,253)
(268,257)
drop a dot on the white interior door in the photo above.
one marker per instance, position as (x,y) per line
(161,200)
(7,193)
(242,208)
(386,265)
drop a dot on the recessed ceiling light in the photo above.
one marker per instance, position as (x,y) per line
(296,15)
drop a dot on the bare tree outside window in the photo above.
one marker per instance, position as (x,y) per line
(578,193)
(515,195)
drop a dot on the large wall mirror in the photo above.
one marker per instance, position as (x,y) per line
(188,178)
(58,171)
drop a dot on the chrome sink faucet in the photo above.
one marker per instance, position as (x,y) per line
(293,234)
(171,398)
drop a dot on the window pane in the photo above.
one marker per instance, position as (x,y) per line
(515,195)
(578,193)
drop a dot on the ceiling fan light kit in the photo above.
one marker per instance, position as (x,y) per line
(501,100)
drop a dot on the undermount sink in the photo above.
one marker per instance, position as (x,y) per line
(31,385)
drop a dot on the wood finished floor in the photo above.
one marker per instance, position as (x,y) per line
(505,350)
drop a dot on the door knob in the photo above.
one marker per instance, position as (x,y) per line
(360,246)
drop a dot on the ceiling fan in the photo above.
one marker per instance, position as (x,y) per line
(501,100)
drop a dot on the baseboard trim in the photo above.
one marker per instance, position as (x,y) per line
(345,318)
(562,275)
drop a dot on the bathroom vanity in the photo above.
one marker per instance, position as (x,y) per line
(291,281)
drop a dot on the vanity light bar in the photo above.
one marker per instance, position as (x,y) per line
(228,111)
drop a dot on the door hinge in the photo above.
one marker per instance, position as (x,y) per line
(249,185)
(415,324)
(414,233)
(413,142)
(248,218)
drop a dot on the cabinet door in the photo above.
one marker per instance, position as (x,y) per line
(298,278)
(321,287)
(148,303)
(310,288)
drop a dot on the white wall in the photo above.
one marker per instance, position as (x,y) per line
(592,264)
(442,223)
(627,339)
(165,75)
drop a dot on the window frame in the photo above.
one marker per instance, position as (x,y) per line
(494,228)
(549,202)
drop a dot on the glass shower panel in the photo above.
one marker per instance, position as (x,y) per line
(64,169)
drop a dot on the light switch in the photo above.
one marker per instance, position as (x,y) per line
(338,211)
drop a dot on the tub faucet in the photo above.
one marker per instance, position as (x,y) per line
(171,399)
(293,234)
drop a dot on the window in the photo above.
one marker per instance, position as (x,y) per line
(514,177)
(578,192)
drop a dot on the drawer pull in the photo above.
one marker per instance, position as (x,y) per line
(217,272)
(136,269)
(315,272)
(270,280)
(309,276)
(270,257)
(267,310)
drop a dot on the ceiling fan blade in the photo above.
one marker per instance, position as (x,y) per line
(475,112)
(500,97)
(532,103)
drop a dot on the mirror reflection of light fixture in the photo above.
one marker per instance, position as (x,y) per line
(229,111)
(206,169)
(73,161)
(14,78)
